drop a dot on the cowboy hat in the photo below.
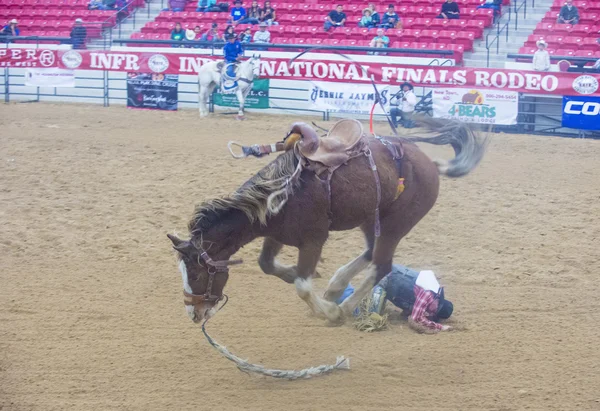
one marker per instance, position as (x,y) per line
(406,83)
(190,34)
(14,21)
(541,43)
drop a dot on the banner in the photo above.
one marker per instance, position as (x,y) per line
(152,91)
(348,72)
(581,113)
(257,98)
(49,77)
(476,105)
(358,99)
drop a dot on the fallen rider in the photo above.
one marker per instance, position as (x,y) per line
(418,294)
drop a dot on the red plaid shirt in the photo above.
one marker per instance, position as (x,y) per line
(419,312)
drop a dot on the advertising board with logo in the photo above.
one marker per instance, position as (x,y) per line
(476,106)
(581,112)
(49,77)
(152,91)
(339,98)
(257,98)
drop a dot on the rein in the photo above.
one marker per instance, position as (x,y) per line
(212,267)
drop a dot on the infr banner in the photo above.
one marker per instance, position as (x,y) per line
(339,98)
(309,68)
(257,98)
(476,105)
(49,77)
(152,91)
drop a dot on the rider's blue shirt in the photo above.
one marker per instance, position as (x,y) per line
(232,51)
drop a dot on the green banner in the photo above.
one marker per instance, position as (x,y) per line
(257,98)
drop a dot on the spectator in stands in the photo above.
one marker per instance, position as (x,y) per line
(176,5)
(568,14)
(10,29)
(335,18)
(253,14)
(229,30)
(403,106)
(268,15)
(495,5)
(102,5)
(374,15)
(78,35)
(238,13)
(246,36)
(541,58)
(390,18)
(207,6)
(177,34)
(262,35)
(449,10)
(212,34)
(366,19)
(381,40)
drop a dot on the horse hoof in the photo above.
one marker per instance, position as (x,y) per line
(240,118)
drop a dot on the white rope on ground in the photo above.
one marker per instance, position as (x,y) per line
(341,363)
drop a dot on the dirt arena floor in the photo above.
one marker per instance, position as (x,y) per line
(91,311)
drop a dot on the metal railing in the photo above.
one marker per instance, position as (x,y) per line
(127,12)
(578,61)
(523,6)
(37,39)
(496,36)
(264,46)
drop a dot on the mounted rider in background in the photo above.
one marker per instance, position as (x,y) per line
(232,52)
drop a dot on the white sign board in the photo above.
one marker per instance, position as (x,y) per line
(50,77)
(476,105)
(346,98)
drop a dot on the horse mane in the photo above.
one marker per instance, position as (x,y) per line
(250,198)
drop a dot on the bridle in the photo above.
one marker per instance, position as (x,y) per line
(252,62)
(213,268)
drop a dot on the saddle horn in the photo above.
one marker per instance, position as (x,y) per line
(309,140)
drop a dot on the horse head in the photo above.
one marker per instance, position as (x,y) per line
(254,61)
(203,278)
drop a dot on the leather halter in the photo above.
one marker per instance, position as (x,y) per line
(212,267)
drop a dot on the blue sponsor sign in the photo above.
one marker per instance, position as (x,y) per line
(581,112)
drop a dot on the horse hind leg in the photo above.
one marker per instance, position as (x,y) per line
(341,278)
(202,95)
(383,255)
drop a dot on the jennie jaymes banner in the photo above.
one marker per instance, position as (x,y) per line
(339,98)
(152,91)
(476,106)
(532,82)
(257,98)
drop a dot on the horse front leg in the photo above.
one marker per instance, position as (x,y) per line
(270,266)
(241,96)
(308,257)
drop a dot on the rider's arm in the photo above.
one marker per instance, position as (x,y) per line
(419,312)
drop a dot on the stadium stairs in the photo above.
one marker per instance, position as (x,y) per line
(131,24)
(516,37)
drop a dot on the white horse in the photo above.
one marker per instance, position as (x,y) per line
(209,77)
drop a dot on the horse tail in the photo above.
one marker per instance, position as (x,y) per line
(469,147)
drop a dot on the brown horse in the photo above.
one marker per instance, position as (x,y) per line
(220,227)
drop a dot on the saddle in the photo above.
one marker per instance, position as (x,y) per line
(342,143)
